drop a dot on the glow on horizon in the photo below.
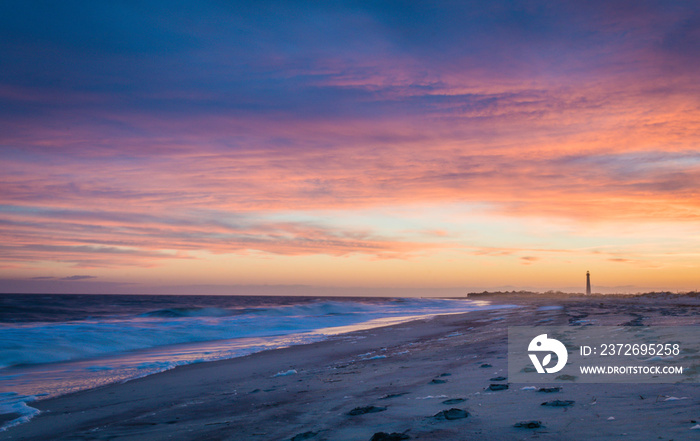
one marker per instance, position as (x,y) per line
(461,146)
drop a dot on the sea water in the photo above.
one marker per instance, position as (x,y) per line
(56,344)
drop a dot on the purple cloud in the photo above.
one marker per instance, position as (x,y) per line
(78,277)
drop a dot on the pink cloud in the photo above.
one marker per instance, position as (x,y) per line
(595,135)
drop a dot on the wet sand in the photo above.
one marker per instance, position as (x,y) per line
(397,380)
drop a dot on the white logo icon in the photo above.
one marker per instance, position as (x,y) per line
(543,344)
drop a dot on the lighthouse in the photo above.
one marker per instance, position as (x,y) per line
(588,283)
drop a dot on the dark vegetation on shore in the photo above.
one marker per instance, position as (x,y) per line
(560,294)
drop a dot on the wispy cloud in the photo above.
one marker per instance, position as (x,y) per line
(78,277)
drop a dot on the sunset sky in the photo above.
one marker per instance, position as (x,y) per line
(205,147)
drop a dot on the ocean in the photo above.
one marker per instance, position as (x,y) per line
(56,344)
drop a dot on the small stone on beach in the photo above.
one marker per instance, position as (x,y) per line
(495,387)
(558,403)
(436,381)
(529,424)
(498,379)
(366,409)
(387,396)
(452,414)
(485,365)
(454,401)
(394,436)
(549,390)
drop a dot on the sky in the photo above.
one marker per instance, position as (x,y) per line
(349,146)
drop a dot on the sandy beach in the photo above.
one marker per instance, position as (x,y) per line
(425,380)
(349,220)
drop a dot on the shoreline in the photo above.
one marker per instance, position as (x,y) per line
(408,368)
(23,399)
(198,351)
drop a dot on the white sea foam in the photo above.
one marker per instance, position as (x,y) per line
(16,405)
(37,343)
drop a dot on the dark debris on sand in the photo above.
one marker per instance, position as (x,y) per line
(558,403)
(452,414)
(549,390)
(394,436)
(366,409)
(454,401)
(498,379)
(495,387)
(436,381)
(528,424)
(388,396)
